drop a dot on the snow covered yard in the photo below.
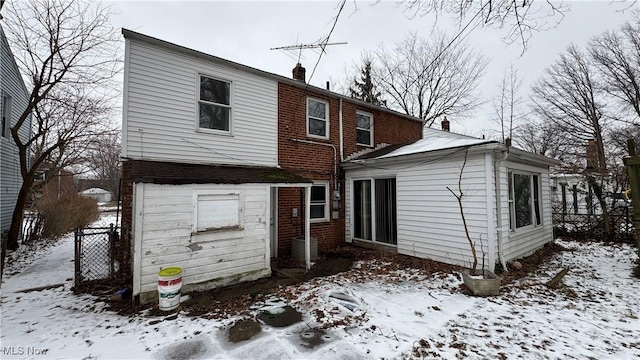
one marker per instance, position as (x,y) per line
(368,312)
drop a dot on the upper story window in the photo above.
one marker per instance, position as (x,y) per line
(525,205)
(214,104)
(317,118)
(6,116)
(364,128)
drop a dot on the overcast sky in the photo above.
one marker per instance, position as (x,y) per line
(244,32)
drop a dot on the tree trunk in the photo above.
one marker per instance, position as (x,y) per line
(18,214)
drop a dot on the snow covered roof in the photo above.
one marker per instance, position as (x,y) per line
(432,140)
(94,191)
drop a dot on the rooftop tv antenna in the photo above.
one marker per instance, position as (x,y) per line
(319,46)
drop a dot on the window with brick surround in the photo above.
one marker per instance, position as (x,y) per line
(214,104)
(317,118)
(364,128)
(319,202)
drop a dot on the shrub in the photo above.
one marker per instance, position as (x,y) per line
(59,216)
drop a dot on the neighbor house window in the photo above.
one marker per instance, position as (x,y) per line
(364,128)
(317,118)
(6,116)
(525,205)
(319,202)
(214,104)
(220,210)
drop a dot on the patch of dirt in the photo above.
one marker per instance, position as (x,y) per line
(283,317)
(531,263)
(244,330)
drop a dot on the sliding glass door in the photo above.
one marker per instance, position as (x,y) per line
(383,211)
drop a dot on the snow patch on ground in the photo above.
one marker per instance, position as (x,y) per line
(357,315)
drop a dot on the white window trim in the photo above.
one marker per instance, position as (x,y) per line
(197,193)
(230,106)
(512,214)
(327,203)
(326,120)
(373,208)
(370,127)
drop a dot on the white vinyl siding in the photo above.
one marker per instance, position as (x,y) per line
(12,86)
(164,236)
(160,116)
(429,221)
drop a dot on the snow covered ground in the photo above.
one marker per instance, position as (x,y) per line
(387,315)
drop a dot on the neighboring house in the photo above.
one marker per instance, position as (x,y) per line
(226,164)
(398,197)
(13,101)
(101,195)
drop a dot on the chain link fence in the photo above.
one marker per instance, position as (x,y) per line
(101,256)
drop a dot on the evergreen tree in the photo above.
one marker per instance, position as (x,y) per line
(364,89)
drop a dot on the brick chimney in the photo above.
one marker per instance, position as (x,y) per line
(592,155)
(445,124)
(299,73)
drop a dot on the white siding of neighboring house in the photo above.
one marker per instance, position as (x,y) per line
(163,238)
(525,241)
(160,110)
(10,179)
(429,221)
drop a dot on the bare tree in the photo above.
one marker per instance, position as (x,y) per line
(429,78)
(68,51)
(508,104)
(520,18)
(569,96)
(617,56)
(104,161)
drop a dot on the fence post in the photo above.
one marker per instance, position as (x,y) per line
(632,162)
(112,245)
(77,239)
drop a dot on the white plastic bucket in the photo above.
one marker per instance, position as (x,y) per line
(169,287)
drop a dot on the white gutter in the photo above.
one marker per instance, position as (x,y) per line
(496,169)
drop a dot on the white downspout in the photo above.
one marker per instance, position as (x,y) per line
(307,228)
(341,137)
(499,209)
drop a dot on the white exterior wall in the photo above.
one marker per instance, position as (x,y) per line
(429,221)
(524,241)
(163,228)
(161,109)
(10,179)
